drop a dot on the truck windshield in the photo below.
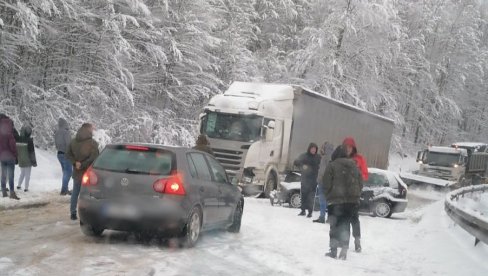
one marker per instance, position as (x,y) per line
(237,127)
(442,159)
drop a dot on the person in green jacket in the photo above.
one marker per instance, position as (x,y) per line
(26,156)
(342,185)
(82,151)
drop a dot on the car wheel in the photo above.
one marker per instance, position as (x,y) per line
(236,224)
(382,209)
(191,233)
(90,230)
(270,184)
(295,200)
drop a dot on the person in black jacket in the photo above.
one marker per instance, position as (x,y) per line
(26,156)
(342,185)
(309,165)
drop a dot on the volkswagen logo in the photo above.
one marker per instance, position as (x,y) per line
(124,182)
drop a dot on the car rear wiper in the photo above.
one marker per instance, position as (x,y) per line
(133,171)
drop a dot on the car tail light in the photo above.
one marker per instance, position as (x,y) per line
(172,185)
(89,178)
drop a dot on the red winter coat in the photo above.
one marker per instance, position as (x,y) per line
(360,161)
(362,165)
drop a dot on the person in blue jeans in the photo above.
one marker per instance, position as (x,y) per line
(82,151)
(62,139)
(325,151)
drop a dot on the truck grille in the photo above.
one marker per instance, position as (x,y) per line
(443,174)
(231,160)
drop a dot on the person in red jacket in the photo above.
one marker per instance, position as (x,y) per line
(352,152)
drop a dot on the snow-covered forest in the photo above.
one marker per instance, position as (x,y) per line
(142,69)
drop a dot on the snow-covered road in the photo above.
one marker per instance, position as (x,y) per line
(273,241)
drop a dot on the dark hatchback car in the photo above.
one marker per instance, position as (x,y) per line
(158,190)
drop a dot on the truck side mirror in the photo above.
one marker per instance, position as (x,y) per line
(419,156)
(268,131)
(269,134)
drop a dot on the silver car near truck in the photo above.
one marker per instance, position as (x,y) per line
(158,190)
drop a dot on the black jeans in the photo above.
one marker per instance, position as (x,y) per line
(340,216)
(308,198)
(356,225)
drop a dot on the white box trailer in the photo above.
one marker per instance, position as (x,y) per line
(278,122)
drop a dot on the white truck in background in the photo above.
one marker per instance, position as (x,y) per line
(458,165)
(257,130)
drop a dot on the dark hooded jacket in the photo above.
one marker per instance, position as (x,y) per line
(8,149)
(309,165)
(342,180)
(25,148)
(62,136)
(82,149)
(202,144)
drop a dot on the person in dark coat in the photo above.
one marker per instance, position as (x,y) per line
(62,139)
(202,144)
(8,155)
(326,154)
(342,186)
(352,152)
(82,151)
(26,156)
(309,165)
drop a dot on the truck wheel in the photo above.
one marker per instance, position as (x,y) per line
(295,200)
(271,184)
(382,209)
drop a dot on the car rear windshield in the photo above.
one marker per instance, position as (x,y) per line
(136,160)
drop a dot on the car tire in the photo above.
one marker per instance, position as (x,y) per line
(90,230)
(295,199)
(271,184)
(236,224)
(382,209)
(192,229)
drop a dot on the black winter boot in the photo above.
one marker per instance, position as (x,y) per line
(319,220)
(343,254)
(13,195)
(332,253)
(302,213)
(4,193)
(357,245)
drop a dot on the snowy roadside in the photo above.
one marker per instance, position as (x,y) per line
(44,187)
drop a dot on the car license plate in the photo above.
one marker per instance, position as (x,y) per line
(121,211)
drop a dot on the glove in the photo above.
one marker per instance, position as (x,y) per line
(16,161)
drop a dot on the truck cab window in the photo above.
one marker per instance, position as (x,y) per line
(236,127)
